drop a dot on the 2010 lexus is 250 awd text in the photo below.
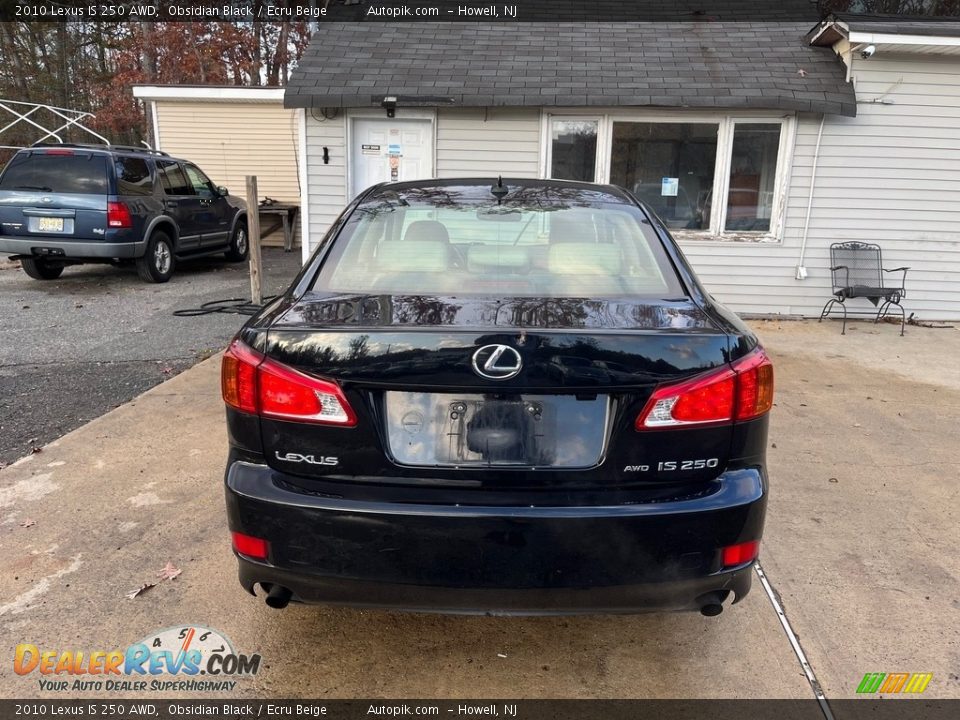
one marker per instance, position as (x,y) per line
(499,396)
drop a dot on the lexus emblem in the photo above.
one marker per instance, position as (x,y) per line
(497,362)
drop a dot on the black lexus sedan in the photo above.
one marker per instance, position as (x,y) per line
(498,396)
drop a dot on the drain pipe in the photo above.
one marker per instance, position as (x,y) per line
(801,268)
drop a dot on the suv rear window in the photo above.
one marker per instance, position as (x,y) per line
(53,172)
(540,241)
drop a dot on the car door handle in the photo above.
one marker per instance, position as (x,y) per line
(171,204)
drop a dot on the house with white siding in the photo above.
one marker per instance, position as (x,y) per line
(758,144)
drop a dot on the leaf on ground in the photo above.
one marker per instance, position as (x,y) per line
(169,572)
(27,523)
(136,592)
(801,72)
(35,450)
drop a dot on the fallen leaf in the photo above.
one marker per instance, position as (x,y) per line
(167,370)
(801,72)
(169,572)
(34,450)
(27,523)
(140,590)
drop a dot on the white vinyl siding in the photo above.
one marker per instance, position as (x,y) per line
(891,175)
(475,142)
(326,184)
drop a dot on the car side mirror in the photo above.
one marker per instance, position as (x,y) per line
(222,190)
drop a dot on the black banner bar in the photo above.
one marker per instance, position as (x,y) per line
(464,10)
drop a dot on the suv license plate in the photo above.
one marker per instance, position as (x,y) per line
(48,224)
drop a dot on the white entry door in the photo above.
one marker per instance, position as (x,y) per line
(389,150)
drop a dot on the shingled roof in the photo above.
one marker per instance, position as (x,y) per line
(659,64)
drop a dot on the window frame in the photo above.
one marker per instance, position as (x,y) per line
(726,122)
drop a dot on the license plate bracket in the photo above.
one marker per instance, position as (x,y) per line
(463,429)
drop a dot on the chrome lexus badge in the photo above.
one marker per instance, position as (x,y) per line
(497,362)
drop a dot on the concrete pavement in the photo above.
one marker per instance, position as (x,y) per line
(865,563)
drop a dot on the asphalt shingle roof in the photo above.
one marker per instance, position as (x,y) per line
(660,64)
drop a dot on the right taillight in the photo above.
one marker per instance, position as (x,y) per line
(740,391)
(256,384)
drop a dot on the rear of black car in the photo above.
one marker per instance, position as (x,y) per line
(499,398)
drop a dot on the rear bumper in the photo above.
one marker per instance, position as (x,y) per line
(498,560)
(58,247)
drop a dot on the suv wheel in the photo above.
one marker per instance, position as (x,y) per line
(239,243)
(156,265)
(41,269)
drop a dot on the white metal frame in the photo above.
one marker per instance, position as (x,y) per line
(71,117)
(725,121)
(303,169)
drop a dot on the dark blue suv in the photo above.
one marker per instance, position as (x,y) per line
(70,204)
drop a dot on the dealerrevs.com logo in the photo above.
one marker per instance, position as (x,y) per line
(176,659)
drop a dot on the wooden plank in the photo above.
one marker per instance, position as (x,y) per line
(253,230)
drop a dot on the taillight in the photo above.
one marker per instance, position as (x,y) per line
(741,391)
(238,377)
(741,553)
(287,394)
(59,152)
(254,547)
(118,215)
(255,384)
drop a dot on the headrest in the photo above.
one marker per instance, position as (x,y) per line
(431,230)
(574,226)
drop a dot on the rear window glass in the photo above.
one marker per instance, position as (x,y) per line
(538,242)
(133,176)
(79,173)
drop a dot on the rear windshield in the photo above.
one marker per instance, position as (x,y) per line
(537,242)
(82,173)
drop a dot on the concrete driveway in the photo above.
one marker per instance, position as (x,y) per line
(860,547)
(78,346)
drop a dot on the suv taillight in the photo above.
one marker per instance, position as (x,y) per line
(256,384)
(740,391)
(118,215)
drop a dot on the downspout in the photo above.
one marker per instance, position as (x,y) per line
(801,269)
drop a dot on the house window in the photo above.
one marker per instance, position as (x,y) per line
(707,176)
(752,178)
(573,149)
(670,166)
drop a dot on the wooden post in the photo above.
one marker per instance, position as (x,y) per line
(253,231)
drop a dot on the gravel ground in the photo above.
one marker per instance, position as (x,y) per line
(81,345)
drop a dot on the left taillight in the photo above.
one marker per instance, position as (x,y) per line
(740,391)
(253,383)
(118,215)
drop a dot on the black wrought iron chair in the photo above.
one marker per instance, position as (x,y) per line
(857,270)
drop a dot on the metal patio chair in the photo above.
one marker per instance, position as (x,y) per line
(857,270)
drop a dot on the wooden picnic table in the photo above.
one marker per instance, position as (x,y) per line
(287,212)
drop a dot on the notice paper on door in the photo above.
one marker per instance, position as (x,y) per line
(669,186)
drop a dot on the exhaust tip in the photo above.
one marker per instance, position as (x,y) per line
(709,610)
(278,597)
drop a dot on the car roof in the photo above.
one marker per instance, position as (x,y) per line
(614,191)
(104,150)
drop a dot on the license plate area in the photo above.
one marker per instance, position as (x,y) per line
(50,224)
(467,430)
